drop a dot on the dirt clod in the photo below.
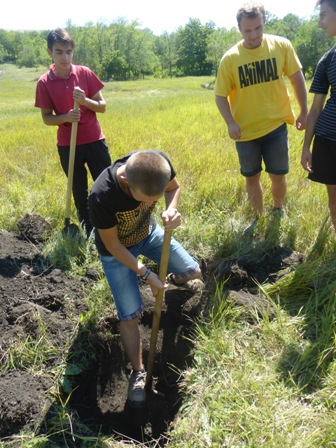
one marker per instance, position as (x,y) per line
(34,228)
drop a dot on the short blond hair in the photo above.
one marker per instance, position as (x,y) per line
(148,171)
(250,10)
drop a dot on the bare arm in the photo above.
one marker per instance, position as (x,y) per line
(225,110)
(171,217)
(314,113)
(51,119)
(300,92)
(96,103)
(119,251)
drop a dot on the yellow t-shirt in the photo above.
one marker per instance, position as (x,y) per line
(253,81)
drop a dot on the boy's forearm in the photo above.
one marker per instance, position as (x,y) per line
(96,103)
(300,91)
(125,257)
(55,120)
(309,133)
(172,198)
(313,115)
(98,106)
(224,109)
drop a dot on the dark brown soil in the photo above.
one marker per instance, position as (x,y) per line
(40,303)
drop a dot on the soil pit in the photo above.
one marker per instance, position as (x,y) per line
(39,304)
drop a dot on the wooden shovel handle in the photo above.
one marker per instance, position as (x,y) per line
(72,153)
(158,304)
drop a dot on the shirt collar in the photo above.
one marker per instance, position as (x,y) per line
(52,75)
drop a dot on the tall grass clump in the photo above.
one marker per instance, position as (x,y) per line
(238,393)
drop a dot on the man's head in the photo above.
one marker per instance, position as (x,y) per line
(327,19)
(148,174)
(61,49)
(59,36)
(251,20)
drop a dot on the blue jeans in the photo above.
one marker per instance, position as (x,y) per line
(123,281)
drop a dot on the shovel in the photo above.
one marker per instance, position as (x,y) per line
(158,306)
(71,229)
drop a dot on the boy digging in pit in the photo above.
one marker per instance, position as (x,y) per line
(121,203)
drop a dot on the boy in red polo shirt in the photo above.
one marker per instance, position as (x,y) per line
(56,92)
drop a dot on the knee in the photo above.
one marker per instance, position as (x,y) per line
(253,180)
(278,179)
(198,273)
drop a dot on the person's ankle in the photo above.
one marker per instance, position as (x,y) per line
(173,280)
(142,369)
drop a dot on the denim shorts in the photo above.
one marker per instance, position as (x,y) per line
(124,282)
(272,148)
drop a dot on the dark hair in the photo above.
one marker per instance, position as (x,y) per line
(59,36)
(250,10)
(331,3)
(148,171)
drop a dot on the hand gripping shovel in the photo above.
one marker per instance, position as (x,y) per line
(158,306)
(71,229)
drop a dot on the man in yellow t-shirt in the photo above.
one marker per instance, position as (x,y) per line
(253,99)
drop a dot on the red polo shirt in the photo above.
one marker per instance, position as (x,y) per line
(55,93)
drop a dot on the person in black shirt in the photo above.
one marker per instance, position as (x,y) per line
(321,122)
(121,203)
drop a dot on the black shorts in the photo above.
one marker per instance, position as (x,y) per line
(323,161)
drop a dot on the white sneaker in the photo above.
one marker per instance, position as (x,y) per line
(136,395)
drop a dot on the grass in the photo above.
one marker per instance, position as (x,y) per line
(257,382)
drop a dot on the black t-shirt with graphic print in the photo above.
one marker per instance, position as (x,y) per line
(110,206)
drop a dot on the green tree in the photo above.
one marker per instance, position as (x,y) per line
(4,55)
(287,27)
(218,43)
(166,51)
(129,52)
(114,65)
(33,50)
(311,43)
(192,48)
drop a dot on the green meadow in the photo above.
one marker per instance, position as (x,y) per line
(256,382)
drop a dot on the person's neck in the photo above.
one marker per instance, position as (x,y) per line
(62,73)
(122,181)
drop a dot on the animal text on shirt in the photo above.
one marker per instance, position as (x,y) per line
(258,72)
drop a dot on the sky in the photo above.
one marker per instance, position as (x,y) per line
(158,16)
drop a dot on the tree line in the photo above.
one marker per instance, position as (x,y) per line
(124,51)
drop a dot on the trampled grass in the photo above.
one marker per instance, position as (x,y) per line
(261,382)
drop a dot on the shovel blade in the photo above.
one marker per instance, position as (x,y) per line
(71,230)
